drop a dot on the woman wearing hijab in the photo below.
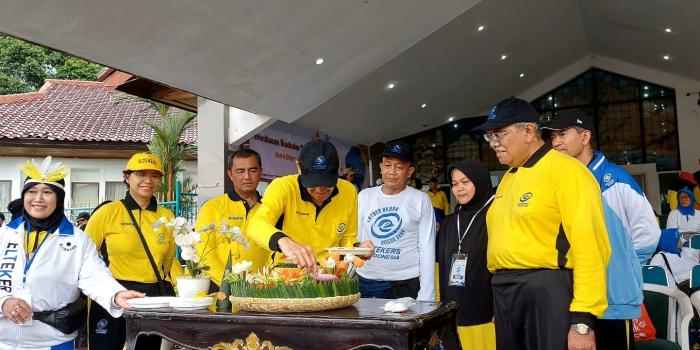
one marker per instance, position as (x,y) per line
(685,218)
(675,258)
(461,256)
(45,262)
(138,251)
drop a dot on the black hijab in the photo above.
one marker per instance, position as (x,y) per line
(476,298)
(50,223)
(477,172)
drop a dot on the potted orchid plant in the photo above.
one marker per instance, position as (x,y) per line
(186,238)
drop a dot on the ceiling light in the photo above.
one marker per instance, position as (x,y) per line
(450,119)
(667,57)
(455,125)
(433,145)
(646,95)
(646,87)
(391,85)
(549,98)
(503,57)
(480,28)
(320,60)
(668,30)
(424,105)
(522,75)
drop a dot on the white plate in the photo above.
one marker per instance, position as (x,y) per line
(190,302)
(193,308)
(349,250)
(150,302)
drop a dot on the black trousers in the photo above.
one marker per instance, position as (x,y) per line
(614,335)
(394,290)
(109,333)
(531,309)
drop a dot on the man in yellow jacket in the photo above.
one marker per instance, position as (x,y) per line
(548,246)
(302,215)
(228,211)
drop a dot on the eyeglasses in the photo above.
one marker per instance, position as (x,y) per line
(140,176)
(497,136)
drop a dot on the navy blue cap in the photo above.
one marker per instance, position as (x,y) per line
(319,164)
(569,118)
(509,111)
(400,150)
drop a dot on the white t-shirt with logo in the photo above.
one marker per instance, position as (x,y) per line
(402,228)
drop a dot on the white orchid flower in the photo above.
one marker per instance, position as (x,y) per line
(189,253)
(158,223)
(330,262)
(241,266)
(349,258)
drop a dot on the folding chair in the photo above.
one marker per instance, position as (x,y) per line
(656,275)
(694,241)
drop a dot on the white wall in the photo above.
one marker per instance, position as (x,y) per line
(104,170)
(687,108)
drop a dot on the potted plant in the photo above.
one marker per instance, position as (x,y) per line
(194,283)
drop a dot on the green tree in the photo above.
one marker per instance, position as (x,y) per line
(166,141)
(24,66)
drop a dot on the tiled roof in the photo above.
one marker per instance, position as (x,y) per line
(79,111)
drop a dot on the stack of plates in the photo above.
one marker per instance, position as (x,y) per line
(190,303)
(150,302)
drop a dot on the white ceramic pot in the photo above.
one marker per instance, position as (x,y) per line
(188,286)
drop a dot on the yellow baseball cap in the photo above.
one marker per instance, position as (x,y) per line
(145,161)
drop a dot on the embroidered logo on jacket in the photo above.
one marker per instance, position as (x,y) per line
(68,245)
(102,326)
(524,199)
(608,179)
(341,228)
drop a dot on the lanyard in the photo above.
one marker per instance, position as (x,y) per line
(461,237)
(36,250)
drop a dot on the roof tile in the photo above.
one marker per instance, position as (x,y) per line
(79,111)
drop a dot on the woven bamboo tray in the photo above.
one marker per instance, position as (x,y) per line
(282,305)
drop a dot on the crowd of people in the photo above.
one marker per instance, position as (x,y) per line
(549,259)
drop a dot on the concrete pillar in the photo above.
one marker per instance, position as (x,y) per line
(212,145)
(220,128)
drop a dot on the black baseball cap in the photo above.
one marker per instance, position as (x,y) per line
(319,164)
(400,150)
(509,111)
(569,118)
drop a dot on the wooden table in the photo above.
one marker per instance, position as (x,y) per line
(361,326)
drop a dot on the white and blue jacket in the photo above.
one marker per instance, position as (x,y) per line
(64,265)
(633,232)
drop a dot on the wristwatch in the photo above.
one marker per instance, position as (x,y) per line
(581,328)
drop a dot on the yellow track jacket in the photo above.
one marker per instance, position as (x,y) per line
(548,214)
(287,209)
(232,209)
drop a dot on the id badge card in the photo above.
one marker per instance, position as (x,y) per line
(24,293)
(458,270)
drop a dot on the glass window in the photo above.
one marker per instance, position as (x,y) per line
(615,88)
(577,92)
(85,194)
(5,194)
(636,120)
(114,190)
(661,133)
(429,155)
(460,142)
(620,133)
